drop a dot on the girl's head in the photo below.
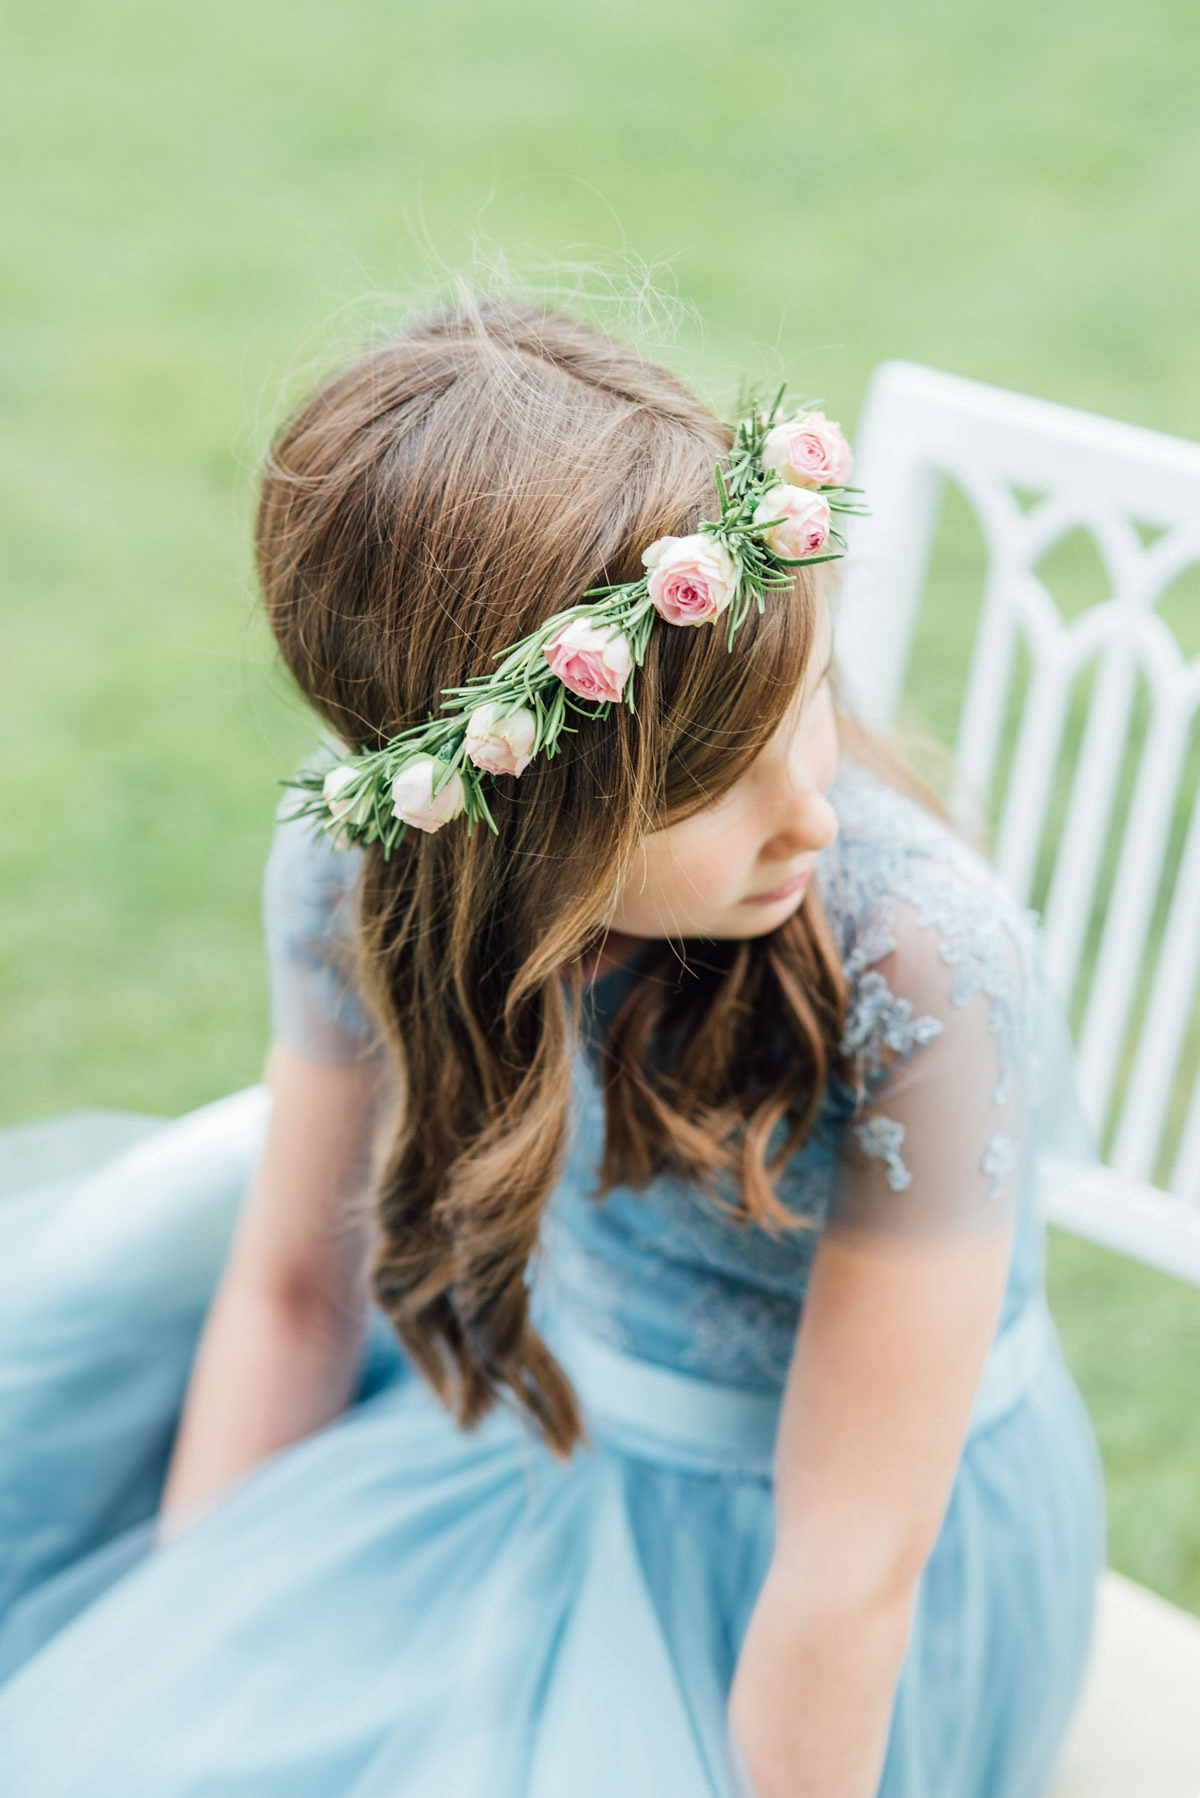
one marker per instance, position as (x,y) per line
(429,505)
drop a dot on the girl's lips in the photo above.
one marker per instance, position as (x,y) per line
(784,892)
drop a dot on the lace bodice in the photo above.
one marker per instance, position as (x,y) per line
(965,1073)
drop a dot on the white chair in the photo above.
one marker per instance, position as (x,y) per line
(1137,1728)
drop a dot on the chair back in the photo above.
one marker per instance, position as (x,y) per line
(1138,493)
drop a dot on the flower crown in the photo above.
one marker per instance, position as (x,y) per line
(783,480)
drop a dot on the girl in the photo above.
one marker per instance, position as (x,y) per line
(629,1369)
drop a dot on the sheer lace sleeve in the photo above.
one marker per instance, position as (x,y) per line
(308,896)
(940,1020)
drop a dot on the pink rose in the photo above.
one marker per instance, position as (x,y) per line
(809,451)
(413,798)
(501,745)
(592,662)
(805,527)
(692,579)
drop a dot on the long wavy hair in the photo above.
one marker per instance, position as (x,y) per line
(432,502)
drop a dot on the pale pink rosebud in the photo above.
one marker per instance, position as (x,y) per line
(805,515)
(413,798)
(808,451)
(692,579)
(501,745)
(592,662)
(356,809)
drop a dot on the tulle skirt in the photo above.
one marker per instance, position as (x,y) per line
(396,1608)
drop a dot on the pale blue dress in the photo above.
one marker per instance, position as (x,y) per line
(395,1608)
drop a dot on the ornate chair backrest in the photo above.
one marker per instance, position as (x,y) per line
(1138,493)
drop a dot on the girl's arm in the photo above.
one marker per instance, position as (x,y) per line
(889,1356)
(282,1346)
(902,1305)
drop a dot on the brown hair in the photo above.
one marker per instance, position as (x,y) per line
(427,506)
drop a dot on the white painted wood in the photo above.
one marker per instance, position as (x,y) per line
(1039,742)
(1136,1731)
(988,677)
(1167,1015)
(1131,1216)
(920,426)
(1072,892)
(1125,933)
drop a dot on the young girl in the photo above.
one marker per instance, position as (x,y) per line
(628,1371)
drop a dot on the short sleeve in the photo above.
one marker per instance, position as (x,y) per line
(309,915)
(938,1140)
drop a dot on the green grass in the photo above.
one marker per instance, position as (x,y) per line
(199,205)
(1132,1339)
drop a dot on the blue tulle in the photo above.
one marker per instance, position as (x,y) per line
(394,1606)
(397,1608)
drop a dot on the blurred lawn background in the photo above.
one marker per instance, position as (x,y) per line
(201,206)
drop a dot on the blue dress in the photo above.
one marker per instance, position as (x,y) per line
(396,1608)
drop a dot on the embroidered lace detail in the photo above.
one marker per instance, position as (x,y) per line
(879,1019)
(743,1337)
(999,1158)
(881,1135)
(912,856)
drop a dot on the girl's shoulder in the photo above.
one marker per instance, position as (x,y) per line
(889,846)
(308,883)
(309,917)
(922,922)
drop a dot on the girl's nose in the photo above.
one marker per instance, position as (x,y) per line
(810,825)
(825,822)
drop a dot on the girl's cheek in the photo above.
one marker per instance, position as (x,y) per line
(832,740)
(730,862)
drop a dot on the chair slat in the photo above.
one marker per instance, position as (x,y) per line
(1172,1004)
(1071,896)
(989,678)
(1123,944)
(1039,744)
